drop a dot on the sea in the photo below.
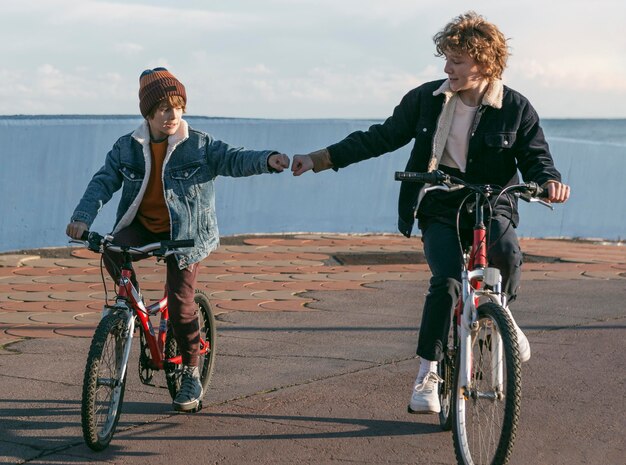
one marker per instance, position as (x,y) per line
(46,161)
(608,131)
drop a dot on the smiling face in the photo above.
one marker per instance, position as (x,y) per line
(165,121)
(465,76)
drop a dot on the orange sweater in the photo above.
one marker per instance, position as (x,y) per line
(153,213)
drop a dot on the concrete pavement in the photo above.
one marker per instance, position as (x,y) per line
(316,336)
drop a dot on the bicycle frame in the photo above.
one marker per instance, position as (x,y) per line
(128,297)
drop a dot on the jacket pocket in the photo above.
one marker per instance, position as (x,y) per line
(185,180)
(131,174)
(500,140)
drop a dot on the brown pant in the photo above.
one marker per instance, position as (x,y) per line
(180,286)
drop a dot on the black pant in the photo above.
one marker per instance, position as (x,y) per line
(441,248)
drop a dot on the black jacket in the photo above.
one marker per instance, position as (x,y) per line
(506,140)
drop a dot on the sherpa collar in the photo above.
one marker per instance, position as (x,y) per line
(142,133)
(493,96)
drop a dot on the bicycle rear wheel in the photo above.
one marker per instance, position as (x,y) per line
(486,412)
(103,383)
(206,364)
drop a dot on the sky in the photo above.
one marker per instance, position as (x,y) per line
(298,58)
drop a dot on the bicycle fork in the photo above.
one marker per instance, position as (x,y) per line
(469,331)
(122,353)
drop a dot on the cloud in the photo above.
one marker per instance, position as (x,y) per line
(128,48)
(51,90)
(595,76)
(114,14)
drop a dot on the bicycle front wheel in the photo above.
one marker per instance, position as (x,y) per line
(104,382)
(487,410)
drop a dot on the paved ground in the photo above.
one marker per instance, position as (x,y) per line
(315,357)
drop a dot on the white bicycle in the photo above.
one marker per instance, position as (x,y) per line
(481,389)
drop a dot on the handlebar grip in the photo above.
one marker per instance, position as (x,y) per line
(434,177)
(93,239)
(542,193)
(178,244)
(537,191)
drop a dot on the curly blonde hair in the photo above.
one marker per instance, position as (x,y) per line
(472,34)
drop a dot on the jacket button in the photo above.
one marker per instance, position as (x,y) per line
(132,175)
(186,174)
(424,129)
(506,142)
(470,160)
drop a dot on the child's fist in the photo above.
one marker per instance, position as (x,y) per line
(278,162)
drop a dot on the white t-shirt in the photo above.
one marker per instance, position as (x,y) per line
(457,144)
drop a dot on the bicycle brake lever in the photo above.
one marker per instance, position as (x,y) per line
(542,202)
(443,187)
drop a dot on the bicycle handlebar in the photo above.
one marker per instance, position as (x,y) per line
(95,242)
(526,191)
(434,177)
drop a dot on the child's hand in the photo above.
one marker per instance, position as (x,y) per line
(278,162)
(76,229)
(301,164)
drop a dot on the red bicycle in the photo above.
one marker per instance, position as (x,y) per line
(107,362)
(480,392)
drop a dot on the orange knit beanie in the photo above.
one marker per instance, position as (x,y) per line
(155,85)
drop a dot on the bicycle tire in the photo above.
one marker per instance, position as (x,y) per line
(446,370)
(103,390)
(485,422)
(206,364)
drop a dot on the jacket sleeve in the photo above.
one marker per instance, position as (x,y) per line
(395,132)
(100,189)
(533,158)
(225,160)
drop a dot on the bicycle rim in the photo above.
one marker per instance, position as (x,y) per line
(104,383)
(486,412)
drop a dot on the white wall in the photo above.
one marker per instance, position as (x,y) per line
(46,163)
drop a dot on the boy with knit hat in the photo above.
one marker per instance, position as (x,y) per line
(166,171)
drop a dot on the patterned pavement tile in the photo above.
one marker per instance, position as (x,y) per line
(33,331)
(84,331)
(13,306)
(62,297)
(252,305)
(286,305)
(275,295)
(29,296)
(75,306)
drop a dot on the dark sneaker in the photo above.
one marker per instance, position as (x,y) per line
(190,392)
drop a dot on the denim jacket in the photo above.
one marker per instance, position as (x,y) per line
(506,137)
(192,161)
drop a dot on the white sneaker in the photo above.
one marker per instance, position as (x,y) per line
(425,398)
(522,340)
